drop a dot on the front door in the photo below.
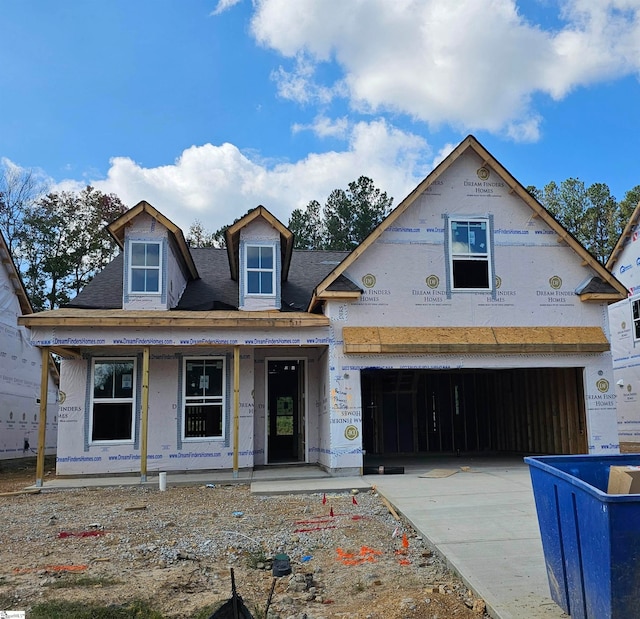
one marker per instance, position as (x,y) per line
(285,414)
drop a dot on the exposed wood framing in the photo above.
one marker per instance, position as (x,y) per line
(73,317)
(144,421)
(236,408)
(42,428)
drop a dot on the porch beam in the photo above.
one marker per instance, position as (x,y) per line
(42,429)
(236,407)
(268,319)
(144,423)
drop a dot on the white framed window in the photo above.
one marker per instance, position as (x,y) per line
(470,254)
(113,400)
(635,310)
(260,269)
(204,398)
(144,267)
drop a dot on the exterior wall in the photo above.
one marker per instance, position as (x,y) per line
(176,280)
(406,269)
(626,350)
(259,231)
(146,228)
(166,450)
(599,398)
(627,266)
(626,369)
(406,281)
(20,371)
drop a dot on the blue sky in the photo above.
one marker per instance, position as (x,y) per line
(207,108)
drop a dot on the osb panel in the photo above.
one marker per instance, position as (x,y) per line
(550,335)
(73,317)
(473,339)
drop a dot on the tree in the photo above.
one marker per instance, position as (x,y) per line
(591,213)
(19,189)
(347,218)
(198,236)
(64,243)
(308,226)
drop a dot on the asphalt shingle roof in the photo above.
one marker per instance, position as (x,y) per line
(215,289)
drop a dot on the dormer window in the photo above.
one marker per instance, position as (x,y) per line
(144,266)
(260,270)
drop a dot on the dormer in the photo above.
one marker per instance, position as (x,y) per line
(157,262)
(259,248)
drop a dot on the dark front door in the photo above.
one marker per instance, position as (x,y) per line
(285,410)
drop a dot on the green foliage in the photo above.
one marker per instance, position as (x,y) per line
(591,214)
(346,219)
(19,189)
(64,242)
(81,610)
(198,236)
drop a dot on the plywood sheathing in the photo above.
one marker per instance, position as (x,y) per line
(408,340)
(75,317)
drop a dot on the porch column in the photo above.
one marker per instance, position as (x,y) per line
(144,422)
(42,428)
(236,407)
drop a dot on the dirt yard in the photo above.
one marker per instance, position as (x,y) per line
(349,557)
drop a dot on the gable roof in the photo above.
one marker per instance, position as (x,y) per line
(616,290)
(627,233)
(117,229)
(232,236)
(14,277)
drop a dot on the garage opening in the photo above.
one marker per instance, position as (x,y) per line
(533,410)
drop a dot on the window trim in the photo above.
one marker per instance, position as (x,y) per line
(221,400)
(131,267)
(132,400)
(248,270)
(485,257)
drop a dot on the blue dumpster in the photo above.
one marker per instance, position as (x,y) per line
(591,539)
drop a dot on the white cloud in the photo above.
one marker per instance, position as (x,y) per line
(473,65)
(216,184)
(224,5)
(324,127)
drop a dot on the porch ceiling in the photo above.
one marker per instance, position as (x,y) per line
(74,317)
(408,340)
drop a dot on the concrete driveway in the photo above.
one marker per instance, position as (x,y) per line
(480,514)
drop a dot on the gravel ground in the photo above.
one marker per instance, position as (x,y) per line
(349,557)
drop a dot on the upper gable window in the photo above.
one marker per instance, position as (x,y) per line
(145,275)
(470,257)
(260,269)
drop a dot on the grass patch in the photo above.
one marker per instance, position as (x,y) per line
(82,610)
(254,558)
(83,581)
